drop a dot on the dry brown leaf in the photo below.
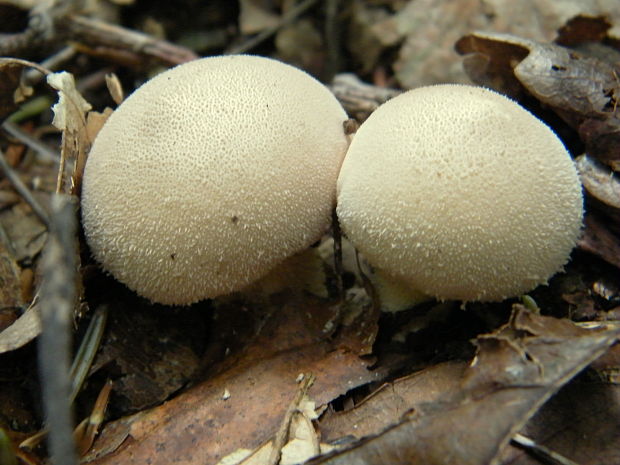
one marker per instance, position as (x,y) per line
(362,42)
(516,370)
(601,234)
(583,90)
(599,181)
(599,240)
(115,88)
(255,16)
(10,281)
(583,29)
(301,45)
(70,118)
(200,426)
(429,28)
(94,122)
(25,230)
(11,89)
(22,331)
(146,368)
(580,422)
(388,405)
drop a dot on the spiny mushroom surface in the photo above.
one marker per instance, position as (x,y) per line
(460,193)
(210,174)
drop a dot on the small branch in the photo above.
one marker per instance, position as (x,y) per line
(22,190)
(41,29)
(332,37)
(52,63)
(259,38)
(544,454)
(97,33)
(282,434)
(46,152)
(58,296)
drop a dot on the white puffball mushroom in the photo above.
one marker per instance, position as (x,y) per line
(211,174)
(458,192)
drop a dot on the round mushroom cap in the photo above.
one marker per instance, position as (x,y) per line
(210,174)
(461,193)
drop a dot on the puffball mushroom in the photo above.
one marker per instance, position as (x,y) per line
(459,193)
(210,174)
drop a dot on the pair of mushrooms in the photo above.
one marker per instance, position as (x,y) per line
(214,172)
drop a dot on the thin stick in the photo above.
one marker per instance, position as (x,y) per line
(282,434)
(542,453)
(332,37)
(98,33)
(14,130)
(58,295)
(259,38)
(55,61)
(337,233)
(22,190)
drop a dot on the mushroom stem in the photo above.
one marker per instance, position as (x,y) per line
(396,294)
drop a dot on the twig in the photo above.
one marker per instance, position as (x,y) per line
(47,153)
(28,64)
(51,63)
(42,27)
(22,190)
(332,37)
(287,18)
(60,20)
(338,270)
(282,434)
(98,33)
(542,453)
(58,296)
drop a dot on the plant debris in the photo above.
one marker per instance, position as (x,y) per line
(290,377)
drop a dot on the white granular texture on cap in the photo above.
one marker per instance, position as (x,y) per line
(461,193)
(210,174)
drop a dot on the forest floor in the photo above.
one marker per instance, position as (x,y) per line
(294,377)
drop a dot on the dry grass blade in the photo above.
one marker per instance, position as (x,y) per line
(87,351)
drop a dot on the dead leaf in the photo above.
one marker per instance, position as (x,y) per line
(387,406)
(255,16)
(429,28)
(517,369)
(583,90)
(25,230)
(115,88)
(582,29)
(10,281)
(599,240)
(146,369)
(70,118)
(22,331)
(200,427)
(362,42)
(580,422)
(94,122)
(301,45)
(599,181)
(10,85)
